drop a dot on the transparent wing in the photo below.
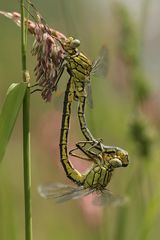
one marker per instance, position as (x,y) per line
(89,94)
(99,69)
(100,65)
(108,198)
(62,192)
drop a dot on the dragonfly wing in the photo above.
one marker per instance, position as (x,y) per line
(54,189)
(108,198)
(89,94)
(100,65)
(62,192)
(99,68)
(75,194)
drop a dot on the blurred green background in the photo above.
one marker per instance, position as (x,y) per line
(126,113)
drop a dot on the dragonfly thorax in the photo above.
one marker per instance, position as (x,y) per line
(98,176)
(79,66)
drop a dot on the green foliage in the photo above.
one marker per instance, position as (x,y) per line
(128,43)
(140,86)
(150,217)
(9,113)
(142,135)
(139,129)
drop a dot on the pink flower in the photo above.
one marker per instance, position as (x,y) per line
(92,213)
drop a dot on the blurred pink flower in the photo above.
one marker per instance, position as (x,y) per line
(48,133)
(92,213)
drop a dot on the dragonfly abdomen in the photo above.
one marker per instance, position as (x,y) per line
(71,172)
(82,120)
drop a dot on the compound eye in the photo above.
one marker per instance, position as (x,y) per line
(115,162)
(75,43)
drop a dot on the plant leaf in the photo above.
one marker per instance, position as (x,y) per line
(9,113)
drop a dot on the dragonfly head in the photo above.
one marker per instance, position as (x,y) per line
(116,157)
(71,44)
(122,155)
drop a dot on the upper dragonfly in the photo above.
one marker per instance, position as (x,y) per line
(55,52)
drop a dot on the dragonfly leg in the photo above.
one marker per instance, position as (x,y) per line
(55,86)
(94,144)
(36,90)
(94,150)
(85,142)
(34,85)
(62,67)
(97,143)
(94,156)
(78,156)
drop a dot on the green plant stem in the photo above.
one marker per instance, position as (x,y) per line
(23,41)
(26,135)
(27,166)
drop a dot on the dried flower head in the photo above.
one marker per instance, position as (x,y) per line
(50,56)
(48,50)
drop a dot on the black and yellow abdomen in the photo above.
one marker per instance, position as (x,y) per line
(71,172)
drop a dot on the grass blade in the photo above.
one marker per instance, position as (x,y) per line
(9,113)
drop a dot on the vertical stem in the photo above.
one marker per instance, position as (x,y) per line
(26,135)
(23,40)
(27,167)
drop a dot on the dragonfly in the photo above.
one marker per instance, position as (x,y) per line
(97,177)
(104,158)
(55,53)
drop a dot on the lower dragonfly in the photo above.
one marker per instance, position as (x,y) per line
(97,177)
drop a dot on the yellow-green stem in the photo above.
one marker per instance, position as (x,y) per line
(26,134)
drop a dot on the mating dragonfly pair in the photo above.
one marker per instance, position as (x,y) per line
(55,53)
